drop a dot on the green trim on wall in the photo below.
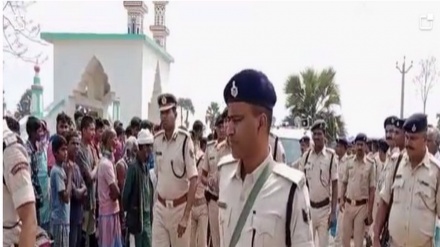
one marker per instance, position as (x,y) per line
(51,37)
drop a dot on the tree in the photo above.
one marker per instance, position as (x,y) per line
(19,32)
(212,113)
(186,105)
(24,105)
(315,95)
(427,78)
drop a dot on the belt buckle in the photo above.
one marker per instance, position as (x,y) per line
(169,203)
(353,203)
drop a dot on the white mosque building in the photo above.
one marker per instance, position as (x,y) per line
(113,75)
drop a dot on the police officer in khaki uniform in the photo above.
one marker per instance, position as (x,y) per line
(358,186)
(18,194)
(320,165)
(304,145)
(199,217)
(411,191)
(379,160)
(389,125)
(176,173)
(214,151)
(262,202)
(277,149)
(341,151)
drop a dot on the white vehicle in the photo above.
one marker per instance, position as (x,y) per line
(289,137)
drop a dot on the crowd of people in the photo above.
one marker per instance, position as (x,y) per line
(96,183)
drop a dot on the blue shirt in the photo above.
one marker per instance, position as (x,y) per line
(150,161)
(60,211)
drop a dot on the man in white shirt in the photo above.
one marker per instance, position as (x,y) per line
(434,141)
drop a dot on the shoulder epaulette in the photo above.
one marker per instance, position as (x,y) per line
(183,132)
(370,159)
(395,156)
(330,150)
(221,144)
(159,133)
(226,160)
(210,143)
(291,174)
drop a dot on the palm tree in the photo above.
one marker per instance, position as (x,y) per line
(186,105)
(212,113)
(316,95)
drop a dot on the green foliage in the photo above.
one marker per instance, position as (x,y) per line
(186,106)
(212,113)
(316,95)
(24,105)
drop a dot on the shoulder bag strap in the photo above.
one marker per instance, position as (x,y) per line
(275,149)
(289,209)
(248,205)
(305,162)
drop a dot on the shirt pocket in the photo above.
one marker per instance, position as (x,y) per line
(308,171)
(263,228)
(424,195)
(398,191)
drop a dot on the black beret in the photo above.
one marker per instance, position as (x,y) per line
(166,101)
(399,123)
(383,145)
(342,141)
(318,124)
(361,137)
(252,87)
(304,139)
(389,121)
(416,123)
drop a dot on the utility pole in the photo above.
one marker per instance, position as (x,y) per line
(403,72)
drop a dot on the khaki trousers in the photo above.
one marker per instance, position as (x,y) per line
(354,224)
(165,224)
(199,226)
(214,224)
(320,224)
(338,237)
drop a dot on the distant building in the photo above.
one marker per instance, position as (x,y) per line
(113,75)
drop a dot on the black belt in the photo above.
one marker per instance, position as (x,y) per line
(356,202)
(320,204)
(11,227)
(209,196)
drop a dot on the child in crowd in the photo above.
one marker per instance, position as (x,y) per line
(61,187)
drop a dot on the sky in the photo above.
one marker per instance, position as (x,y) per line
(213,40)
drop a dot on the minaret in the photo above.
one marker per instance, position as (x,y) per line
(159,30)
(37,95)
(153,109)
(136,11)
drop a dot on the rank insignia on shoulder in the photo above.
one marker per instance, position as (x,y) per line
(306,215)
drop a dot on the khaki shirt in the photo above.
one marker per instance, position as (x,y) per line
(173,173)
(200,189)
(214,151)
(318,174)
(416,201)
(280,156)
(380,172)
(265,225)
(17,189)
(360,177)
(342,164)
